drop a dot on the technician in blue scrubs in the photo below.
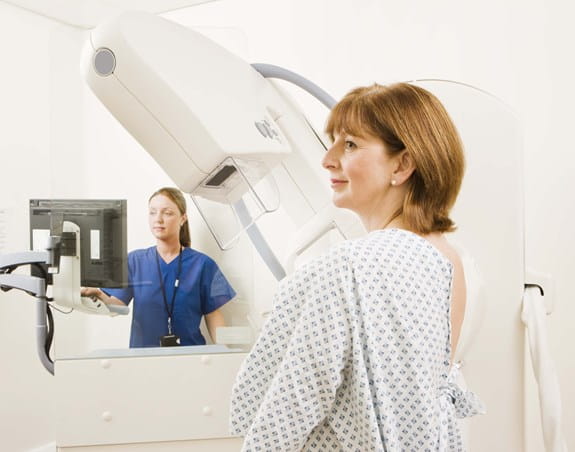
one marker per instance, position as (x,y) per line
(171,284)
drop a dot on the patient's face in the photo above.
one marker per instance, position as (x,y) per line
(360,170)
(164,218)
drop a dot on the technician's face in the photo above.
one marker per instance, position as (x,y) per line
(360,172)
(164,218)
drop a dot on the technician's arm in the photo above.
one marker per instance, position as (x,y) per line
(100,295)
(214,320)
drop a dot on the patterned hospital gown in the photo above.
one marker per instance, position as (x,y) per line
(356,355)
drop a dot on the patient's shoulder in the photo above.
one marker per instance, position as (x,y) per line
(440,242)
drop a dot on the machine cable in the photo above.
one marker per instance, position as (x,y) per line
(272,71)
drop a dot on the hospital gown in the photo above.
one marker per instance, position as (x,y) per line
(356,355)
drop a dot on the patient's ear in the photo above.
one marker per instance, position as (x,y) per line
(405,166)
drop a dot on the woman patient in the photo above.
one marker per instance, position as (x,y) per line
(356,354)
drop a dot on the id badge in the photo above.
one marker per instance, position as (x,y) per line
(170,340)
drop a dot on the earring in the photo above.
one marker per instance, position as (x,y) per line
(393,182)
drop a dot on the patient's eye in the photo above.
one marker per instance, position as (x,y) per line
(349,145)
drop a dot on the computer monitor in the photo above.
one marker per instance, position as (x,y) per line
(103,235)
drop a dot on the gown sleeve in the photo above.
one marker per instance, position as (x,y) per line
(287,384)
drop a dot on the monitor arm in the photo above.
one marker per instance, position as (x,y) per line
(66,285)
(34,286)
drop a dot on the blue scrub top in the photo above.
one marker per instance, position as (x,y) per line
(202,289)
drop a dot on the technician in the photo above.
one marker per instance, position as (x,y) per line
(172,285)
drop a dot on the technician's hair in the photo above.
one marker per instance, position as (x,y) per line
(178,198)
(407,117)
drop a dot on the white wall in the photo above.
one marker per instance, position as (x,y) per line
(25,387)
(518,50)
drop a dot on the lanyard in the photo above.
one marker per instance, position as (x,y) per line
(170,310)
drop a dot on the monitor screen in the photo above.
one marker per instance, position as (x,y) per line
(102,223)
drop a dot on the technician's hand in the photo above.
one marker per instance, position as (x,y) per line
(92,292)
(98,294)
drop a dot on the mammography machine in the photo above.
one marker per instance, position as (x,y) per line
(233,139)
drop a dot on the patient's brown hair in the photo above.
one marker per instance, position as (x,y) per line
(405,116)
